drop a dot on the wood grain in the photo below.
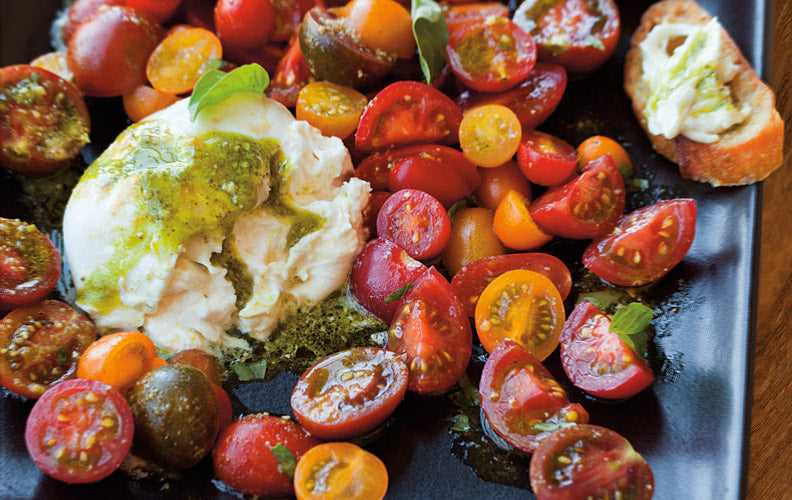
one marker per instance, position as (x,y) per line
(770,460)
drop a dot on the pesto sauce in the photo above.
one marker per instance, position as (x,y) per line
(236,272)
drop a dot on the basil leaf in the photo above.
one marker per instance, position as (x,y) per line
(550,426)
(595,42)
(466,202)
(470,391)
(460,423)
(63,355)
(431,36)
(630,323)
(215,86)
(256,370)
(285,458)
(401,292)
(602,299)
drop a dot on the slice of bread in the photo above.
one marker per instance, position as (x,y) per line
(745,153)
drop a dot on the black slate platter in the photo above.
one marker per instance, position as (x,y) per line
(691,424)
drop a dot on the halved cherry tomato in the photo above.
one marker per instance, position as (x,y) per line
(489,135)
(340,470)
(79,431)
(523,306)
(472,279)
(156,10)
(244,459)
(415,221)
(645,244)
(208,364)
(370,212)
(349,393)
(577,34)
(144,101)
(30,264)
(408,112)
(490,55)
(288,15)
(588,461)
(496,182)
(119,360)
(429,175)
(585,207)
(40,345)
(599,145)
(181,59)
(472,238)
(457,15)
(291,75)
(514,225)
(382,25)
(433,332)
(521,400)
(54,62)
(244,23)
(596,360)
(81,10)
(333,109)
(225,413)
(44,121)
(545,159)
(381,269)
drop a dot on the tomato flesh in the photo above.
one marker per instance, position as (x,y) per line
(340,470)
(29,264)
(458,15)
(416,221)
(545,159)
(291,75)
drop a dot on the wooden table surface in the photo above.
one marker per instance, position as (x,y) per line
(770,459)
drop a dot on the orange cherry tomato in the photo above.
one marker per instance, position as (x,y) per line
(514,225)
(208,364)
(119,359)
(523,306)
(496,183)
(472,238)
(56,63)
(490,135)
(181,58)
(599,145)
(340,470)
(383,25)
(332,108)
(145,100)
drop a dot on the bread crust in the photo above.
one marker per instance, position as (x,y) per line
(743,154)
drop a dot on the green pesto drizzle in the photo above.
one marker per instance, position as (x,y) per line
(236,272)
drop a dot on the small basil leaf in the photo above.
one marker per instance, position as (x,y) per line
(630,323)
(470,391)
(466,202)
(63,355)
(602,299)
(550,426)
(401,292)
(596,43)
(285,458)
(256,370)
(431,36)
(215,86)
(460,423)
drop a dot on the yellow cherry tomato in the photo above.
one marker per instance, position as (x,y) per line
(333,109)
(514,225)
(382,24)
(599,145)
(340,471)
(145,100)
(181,58)
(490,135)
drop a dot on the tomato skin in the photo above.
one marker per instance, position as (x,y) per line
(208,364)
(340,470)
(645,244)
(594,147)
(458,15)
(517,392)
(30,265)
(472,238)
(588,461)
(119,360)
(156,10)
(428,175)
(181,58)
(81,10)
(71,413)
(349,393)
(382,268)
(514,225)
(144,101)
(545,159)
(472,279)
(244,23)
(408,112)
(288,15)
(370,213)
(243,457)
(496,182)
(416,221)
(291,75)
(585,207)
(382,25)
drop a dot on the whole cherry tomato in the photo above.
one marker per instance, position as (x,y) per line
(244,23)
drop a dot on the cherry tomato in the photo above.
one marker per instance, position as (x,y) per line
(598,145)
(408,112)
(291,75)
(181,59)
(199,13)
(514,225)
(433,332)
(244,460)
(588,461)
(496,182)
(267,55)
(472,238)
(490,55)
(577,34)
(208,364)
(381,269)
(79,11)
(79,431)
(29,264)
(225,412)
(382,25)
(340,470)
(472,279)
(144,101)
(370,212)
(430,175)
(156,10)
(545,159)
(415,221)
(596,360)
(119,360)
(54,62)
(520,399)
(40,346)
(288,15)
(44,121)
(244,23)
(457,15)
(333,109)
(533,100)
(523,306)
(645,244)
(109,51)
(489,135)
(587,206)
(349,393)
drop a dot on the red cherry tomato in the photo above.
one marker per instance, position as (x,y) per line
(288,15)
(596,360)
(587,206)
(349,393)
(577,34)
(156,10)
(29,264)
(521,400)
(199,13)
(408,112)
(457,15)
(225,412)
(545,159)
(381,269)
(490,55)
(81,10)
(79,431)
(416,221)
(291,75)
(428,175)
(108,52)
(588,461)
(645,244)
(375,202)
(434,334)
(243,456)
(40,346)
(244,23)
(472,279)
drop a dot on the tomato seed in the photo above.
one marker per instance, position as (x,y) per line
(564,460)
(572,416)
(62,417)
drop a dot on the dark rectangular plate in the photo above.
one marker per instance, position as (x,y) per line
(691,425)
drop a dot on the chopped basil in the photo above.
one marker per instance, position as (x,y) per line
(630,323)
(550,426)
(469,390)
(215,86)
(602,299)
(595,42)
(460,423)
(256,370)
(285,458)
(63,355)
(431,36)
(401,292)
(466,202)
